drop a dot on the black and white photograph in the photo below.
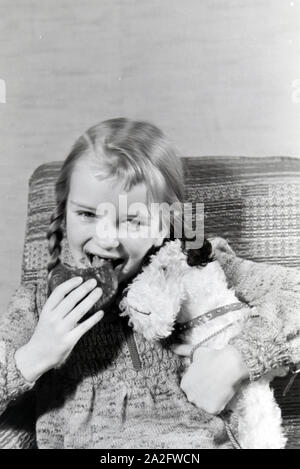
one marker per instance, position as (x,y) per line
(150,235)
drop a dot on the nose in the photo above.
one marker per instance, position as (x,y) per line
(106,235)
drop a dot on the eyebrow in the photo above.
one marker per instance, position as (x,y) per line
(83,206)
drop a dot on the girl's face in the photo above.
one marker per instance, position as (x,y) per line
(98,222)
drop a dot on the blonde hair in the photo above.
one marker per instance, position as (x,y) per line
(132,151)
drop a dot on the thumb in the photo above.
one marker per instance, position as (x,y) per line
(183,349)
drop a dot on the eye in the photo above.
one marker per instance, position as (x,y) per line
(85,215)
(135,222)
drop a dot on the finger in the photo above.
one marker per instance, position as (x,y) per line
(61,291)
(84,306)
(75,297)
(86,325)
(183,349)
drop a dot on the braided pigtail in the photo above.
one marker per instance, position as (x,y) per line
(62,186)
(55,236)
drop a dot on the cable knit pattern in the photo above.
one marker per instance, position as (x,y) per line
(16,327)
(262,348)
(16,426)
(16,385)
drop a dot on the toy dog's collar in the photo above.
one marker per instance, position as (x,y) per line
(204,318)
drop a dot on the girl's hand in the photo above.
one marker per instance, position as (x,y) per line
(213,378)
(58,331)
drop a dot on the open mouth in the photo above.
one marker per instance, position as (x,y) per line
(97,261)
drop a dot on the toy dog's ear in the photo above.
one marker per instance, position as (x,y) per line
(200,256)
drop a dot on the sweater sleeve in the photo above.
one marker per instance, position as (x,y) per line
(263,347)
(16,328)
(270,339)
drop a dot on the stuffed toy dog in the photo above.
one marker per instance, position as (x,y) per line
(169,296)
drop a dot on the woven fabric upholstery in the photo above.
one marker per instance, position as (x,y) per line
(253,202)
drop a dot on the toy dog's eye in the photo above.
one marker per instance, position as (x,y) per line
(141,312)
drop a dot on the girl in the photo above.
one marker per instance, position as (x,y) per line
(95,383)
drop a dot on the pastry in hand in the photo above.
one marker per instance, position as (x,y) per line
(100,269)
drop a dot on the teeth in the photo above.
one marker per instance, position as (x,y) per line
(97,261)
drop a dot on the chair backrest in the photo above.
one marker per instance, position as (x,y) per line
(253,202)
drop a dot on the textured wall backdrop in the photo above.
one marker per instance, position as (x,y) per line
(220,77)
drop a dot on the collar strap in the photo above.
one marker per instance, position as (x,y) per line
(204,318)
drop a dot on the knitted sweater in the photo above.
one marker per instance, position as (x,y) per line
(117,390)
